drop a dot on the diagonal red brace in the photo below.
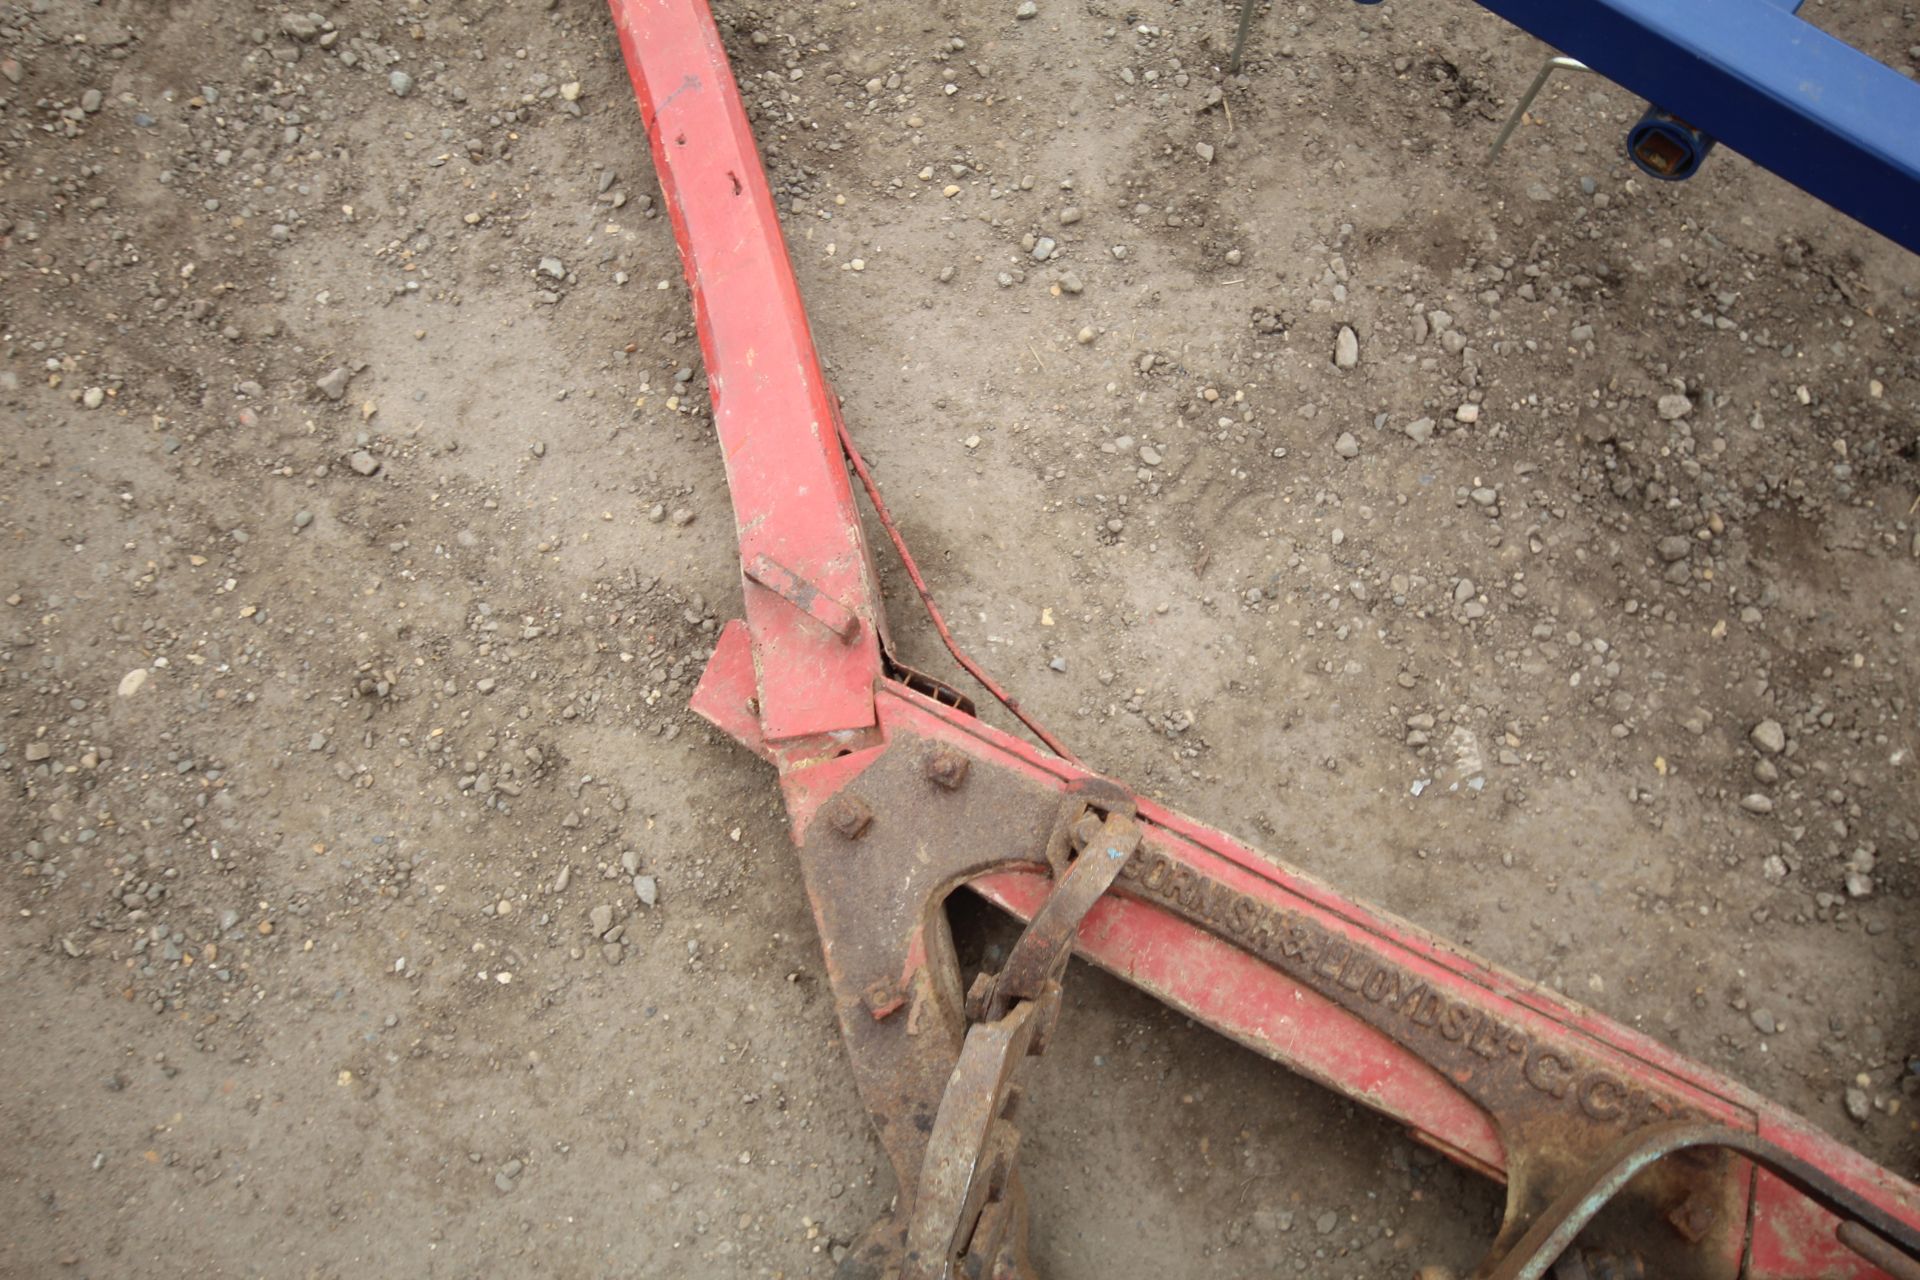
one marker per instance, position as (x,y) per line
(774,412)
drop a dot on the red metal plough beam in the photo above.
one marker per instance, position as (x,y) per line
(897,799)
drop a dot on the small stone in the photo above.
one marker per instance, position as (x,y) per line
(1070,215)
(93,397)
(1085,336)
(91,101)
(362,462)
(681,517)
(1763,1021)
(1043,248)
(553,267)
(1346,348)
(647,889)
(1675,547)
(401,83)
(333,385)
(1859,1105)
(1346,446)
(1674,406)
(1757,802)
(570,91)
(600,919)
(318,742)
(38,751)
(1467,413)
(1028,9)
(301,519)
(1058,664)
(1769,737)
(486,684)
(1150,455)
(1205,151)
(132,682)
(1420,430)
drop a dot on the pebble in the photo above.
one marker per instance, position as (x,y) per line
(38,751)
(1027,9)
(1757,802)
(1675,406)
(1346,348)
(401,83)
(1769,737)
(1070,215)
(1420,430)
(1763,1021)
(600,919)
(1205,151)
(1467,413)
(1675,547)
(553,267)
(681,517)
(1346,446)
(1058,664)
(333,385)
(132,682)
(91,101)
(647,889)
(362,462)
(301,519)
(1859,1105)
(93,397)
(1150,455)
(1043,248)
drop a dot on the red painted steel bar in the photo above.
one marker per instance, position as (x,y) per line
(803,684)
(774,412)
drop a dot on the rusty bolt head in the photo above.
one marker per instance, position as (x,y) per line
(946,766)
(848,814)
(1694,1218)
(884,999)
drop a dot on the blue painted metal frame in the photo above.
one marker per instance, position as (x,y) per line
(1786,95)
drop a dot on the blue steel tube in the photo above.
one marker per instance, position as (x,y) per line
(1783,93)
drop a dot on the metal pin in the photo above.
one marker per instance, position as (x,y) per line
(1533,91)
(1240,36)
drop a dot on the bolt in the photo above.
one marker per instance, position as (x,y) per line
(884,1000)
(848,814)
(1694,1218)
(946,766)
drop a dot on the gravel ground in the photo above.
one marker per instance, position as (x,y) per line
(1526,547)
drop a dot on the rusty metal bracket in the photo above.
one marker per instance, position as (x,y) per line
(1864,1228)
(803,595)
(961,1202)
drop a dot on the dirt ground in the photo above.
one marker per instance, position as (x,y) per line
(364,535)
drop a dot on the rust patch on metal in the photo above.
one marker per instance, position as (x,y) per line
(946,767)
(848,814)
